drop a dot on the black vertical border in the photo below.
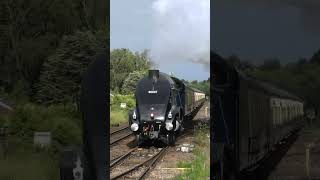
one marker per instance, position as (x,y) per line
(94,104)
(95,114)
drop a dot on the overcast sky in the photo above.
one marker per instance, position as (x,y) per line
(260,29)
(133,26)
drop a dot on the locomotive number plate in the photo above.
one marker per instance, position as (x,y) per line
(152,92)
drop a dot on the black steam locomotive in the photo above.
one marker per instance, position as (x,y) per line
(250,118)
(163,103)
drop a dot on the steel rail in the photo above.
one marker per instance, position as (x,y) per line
(141,164)
(122,157)
(121,138)
(119,130)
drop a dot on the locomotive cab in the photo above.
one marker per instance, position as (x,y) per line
(156,115)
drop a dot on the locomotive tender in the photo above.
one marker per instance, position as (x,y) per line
(250,118)
(163,103)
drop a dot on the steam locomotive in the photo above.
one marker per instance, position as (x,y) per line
(163,104)
(250,118)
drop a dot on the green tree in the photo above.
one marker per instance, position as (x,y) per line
(31,31)
(130,83)
(123,62)
(61,75)
(316,57)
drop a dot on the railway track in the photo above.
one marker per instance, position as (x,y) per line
(139,169)
(137,163)
(119,135)
(119,130)
(135,159)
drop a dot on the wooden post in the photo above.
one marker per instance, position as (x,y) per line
(309,146)
(307,162)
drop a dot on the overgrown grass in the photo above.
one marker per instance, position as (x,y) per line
(118,116)
(200,166)
(23,160)
(28,163)
(63,121)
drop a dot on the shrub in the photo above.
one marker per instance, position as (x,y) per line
(63,122)
(117,99)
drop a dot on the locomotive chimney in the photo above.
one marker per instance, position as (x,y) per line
(154,74)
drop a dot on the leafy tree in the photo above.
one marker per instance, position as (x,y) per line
(130,83)
(316,57)
(123,62)
(194,82)
(31,31)
(61,75)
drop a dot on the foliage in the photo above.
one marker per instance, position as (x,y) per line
(130,83)
(300,78)
(118,116)
(316,57)
(200,166)
(45,45)
(123,62)
(117,99)
(200,85)
(31,31)
(63,122)
(61,75)
(29,163)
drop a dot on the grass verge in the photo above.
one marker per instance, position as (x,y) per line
(200,166)
(23,161)
(118,116)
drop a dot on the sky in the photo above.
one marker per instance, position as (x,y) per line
(256,30)
(177,33)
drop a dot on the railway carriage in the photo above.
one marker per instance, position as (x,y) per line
(250,118)
(163,104)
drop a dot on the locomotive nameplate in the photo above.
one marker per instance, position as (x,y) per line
(152,92)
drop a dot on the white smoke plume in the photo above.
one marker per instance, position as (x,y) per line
(182,31)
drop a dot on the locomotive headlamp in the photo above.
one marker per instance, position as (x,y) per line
(134,116)
(169,126)
(152,115)
(134,127)
(169,115)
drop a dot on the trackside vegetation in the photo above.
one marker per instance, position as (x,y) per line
(119,115)
(199,168)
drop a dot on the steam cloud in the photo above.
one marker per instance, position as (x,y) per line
(309,10)
(182,31)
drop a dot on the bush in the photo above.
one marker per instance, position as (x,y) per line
(200,166)
(118,117)
(63,122)
(117,114)
(117,99)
